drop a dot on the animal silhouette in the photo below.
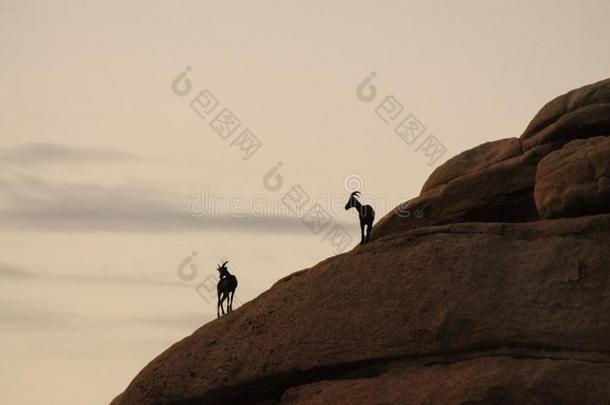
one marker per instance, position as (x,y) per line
(226,289)
(365,213)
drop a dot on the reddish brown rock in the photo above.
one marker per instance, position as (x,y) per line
(500,192)
(575,180)
(485,380)
(580,113)
(437,293)
(482,311)
(494,182)
(473,160)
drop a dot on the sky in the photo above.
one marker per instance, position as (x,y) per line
(125,178)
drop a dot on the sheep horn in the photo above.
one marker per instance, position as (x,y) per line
(356,193)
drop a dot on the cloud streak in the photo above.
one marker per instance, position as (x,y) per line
(8,271)
(24,316)
(42,319)
(13,272)
(32,203)
(29,202)
(39,153)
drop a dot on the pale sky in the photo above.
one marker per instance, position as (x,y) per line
(100,157)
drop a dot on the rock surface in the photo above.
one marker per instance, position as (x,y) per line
(477,301)
(459,290)
(580,113)
(494,182)
(473,160)
(486,380)
(575,180)
(500,192)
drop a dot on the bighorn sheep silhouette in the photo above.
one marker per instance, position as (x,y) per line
(366,214)
(226,288)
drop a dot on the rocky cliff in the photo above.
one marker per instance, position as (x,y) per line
(498,295)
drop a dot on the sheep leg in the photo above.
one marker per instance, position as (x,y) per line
(361,234)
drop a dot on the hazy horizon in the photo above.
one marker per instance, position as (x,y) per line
(113,175)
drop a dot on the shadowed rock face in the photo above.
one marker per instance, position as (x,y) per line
(580,113)
(481,381)
(474,160)
(575,180)
(499,192)
(477,302)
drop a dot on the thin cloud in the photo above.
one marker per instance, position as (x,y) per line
(14,315)
(28,202)
(188,321)
(33,203)
(13,272)
(37,319)
(8,271)
(39,153)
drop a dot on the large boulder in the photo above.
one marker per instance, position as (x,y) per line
(498,192)
(575,180)
(433,295)
(473,160)
(580,113)
(494,182)
(464,296)
(544,380)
